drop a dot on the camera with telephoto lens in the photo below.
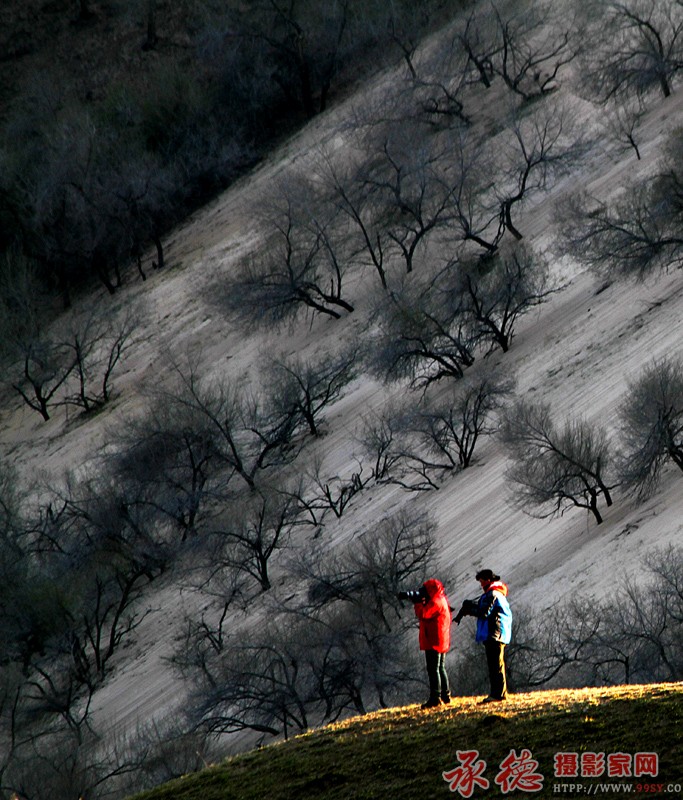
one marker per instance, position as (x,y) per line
(414,595)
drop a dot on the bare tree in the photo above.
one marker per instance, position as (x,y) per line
(247,435)
(417,184)
(499,289)
(540,147)
(352,592)
(632,238)
(378,437)
(479,40)
(413,186)
(90,349)
(376,565)
(407,23)
(109,540)
(305,387)
(319,494)
(338,649)
(257,527)
(424,335)
(622,122)
(550,651)
(12,683)
(75,605)
(527,48)
(142,186)
(640,232)
(632,638)
(554,467)
(259,681)
(92,191)
(652,426)
(87,198)
(406,175)
(110,616)
(302,670)
(635,46)
(180,458)
(645,629)
(67,205)
(666,567)
(312,665)
(448,427)
(97,347)
(415,444)
(203,639)
(56,763)
(628,634)
(471,181)
(355,590)
(439,82)
(27,600)
(346,186)
(586,643)
(535,45)
(638,638)
(170,751)
(303,267)
(168,459)
(46,366)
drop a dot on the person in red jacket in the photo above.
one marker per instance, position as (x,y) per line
(434,613)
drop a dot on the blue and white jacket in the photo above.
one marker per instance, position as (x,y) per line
(494,617)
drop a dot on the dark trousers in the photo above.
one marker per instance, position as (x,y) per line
(437,675)
(495,660)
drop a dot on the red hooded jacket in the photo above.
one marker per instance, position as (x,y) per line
(434,614)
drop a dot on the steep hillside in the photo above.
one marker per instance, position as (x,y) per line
(577,351)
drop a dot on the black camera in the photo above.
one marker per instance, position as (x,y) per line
(469,608)
(414,595)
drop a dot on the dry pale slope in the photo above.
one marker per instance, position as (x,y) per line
(578,352)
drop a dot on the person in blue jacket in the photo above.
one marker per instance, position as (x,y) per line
(494,628)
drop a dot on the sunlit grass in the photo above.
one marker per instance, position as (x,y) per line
(402,752)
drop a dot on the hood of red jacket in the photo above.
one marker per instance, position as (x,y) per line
(498,586)
(433,587)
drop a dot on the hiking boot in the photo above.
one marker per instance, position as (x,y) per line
(490,699)
(433,702)
(445,699)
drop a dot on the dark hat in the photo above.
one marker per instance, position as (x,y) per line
(486,575)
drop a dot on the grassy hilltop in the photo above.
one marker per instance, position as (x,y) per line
(402,752)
